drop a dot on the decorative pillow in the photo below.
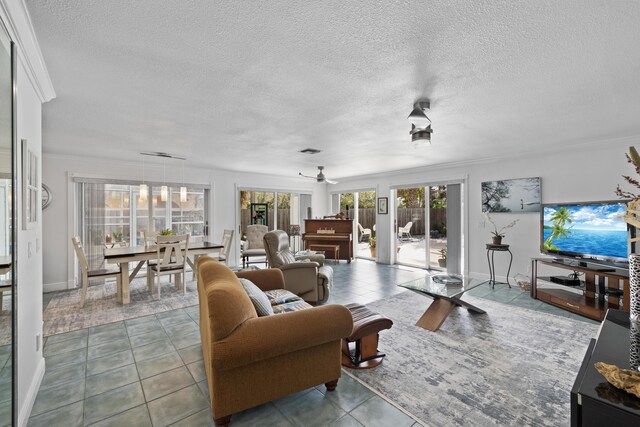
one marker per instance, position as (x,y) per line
(291,306)
(281,296)
(258,298)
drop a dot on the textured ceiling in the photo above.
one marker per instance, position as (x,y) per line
(244,85)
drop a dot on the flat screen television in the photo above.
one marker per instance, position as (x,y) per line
(588,231)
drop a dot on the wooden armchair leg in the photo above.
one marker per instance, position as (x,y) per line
(331,385)
(222,421)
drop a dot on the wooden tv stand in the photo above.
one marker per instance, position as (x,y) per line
(600,288)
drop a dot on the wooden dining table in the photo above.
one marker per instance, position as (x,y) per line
(140,254)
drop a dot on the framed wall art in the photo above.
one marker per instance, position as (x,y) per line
(383,205)
(30,187)
(511,195)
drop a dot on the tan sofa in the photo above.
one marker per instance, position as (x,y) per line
(251,360)
(306,276)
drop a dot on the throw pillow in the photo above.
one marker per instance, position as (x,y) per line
(281,296)
(258,298)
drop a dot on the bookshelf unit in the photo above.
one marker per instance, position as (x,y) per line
(600,287)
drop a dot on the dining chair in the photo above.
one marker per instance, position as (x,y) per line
(150,238)
(172,252)
(5,286)
(102,273)
(227,238)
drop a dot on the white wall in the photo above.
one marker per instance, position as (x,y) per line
(589,173)
(29,277)
(33,88)
(58,218)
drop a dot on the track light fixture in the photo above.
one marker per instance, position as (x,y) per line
(420,123)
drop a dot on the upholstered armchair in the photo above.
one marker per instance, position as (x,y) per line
(250,360)
(254,245)
(306,276)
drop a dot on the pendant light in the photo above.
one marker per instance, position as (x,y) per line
(183,189)
(144,188)
(164,191)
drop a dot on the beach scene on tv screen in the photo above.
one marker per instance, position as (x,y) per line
(596,230)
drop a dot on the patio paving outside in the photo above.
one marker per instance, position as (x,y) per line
(412,251)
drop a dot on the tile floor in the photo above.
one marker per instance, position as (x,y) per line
(148,371)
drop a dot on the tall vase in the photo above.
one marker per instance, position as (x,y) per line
(634,346)
(634,288)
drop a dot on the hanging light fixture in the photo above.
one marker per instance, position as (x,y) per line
(183,189)
(164,191)
(144,188)
(420,123)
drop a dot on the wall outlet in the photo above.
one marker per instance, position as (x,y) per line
(38,341)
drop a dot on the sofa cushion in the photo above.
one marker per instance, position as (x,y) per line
(281,296)
(258,298)
(291,306)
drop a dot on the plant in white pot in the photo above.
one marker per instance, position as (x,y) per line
(498,234)
(442,261)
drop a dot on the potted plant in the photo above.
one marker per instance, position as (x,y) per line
(498,234)
(372,246)
(117,235)
(442,261)
(166,232)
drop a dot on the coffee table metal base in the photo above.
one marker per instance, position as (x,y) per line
(440,309)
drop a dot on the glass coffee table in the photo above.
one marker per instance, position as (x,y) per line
(446,291)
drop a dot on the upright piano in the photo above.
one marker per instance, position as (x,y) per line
(330,232)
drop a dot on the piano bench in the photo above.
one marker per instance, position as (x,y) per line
(326,248)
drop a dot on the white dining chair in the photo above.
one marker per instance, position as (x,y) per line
(172,252)
(87,274)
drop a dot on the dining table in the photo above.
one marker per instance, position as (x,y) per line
(122,256)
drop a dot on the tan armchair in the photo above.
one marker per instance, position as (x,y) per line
(305,276)
(254,245)
(251,360)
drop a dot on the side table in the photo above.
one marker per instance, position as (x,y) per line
(491,250)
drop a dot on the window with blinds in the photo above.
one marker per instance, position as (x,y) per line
(113,214)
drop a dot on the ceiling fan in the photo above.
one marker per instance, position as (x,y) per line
(320,177)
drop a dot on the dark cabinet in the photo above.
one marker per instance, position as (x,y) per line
(595,402)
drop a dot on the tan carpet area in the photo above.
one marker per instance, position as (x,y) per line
(63,312)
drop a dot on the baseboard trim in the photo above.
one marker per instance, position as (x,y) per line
(59,286)
(25,411)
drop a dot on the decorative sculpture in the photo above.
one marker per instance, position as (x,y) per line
(623,379)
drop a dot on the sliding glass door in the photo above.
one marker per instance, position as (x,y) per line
(428,227)
(278,210)
(360,206)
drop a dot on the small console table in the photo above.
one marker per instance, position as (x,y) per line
(595,402)
(600,289)
(491,250)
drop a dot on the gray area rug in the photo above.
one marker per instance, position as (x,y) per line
(63,312)
(511,366)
